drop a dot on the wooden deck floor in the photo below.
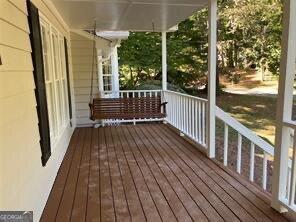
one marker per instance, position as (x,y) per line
(148,173)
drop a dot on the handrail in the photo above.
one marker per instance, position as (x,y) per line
(136,91)
(186,95)
(246,132)
(242,131)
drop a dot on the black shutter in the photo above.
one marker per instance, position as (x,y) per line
(68,79)
(40,90)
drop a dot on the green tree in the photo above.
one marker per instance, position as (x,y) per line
(249,32)
(140,57)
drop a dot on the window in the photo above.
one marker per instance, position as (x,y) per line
(55,78)
(64,82)
(41,76)
(107,76)
(50,92)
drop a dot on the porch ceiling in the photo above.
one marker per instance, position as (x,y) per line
(128,15)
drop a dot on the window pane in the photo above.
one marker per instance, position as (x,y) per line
(51,110)
(62,56)
(45,49)
(107,67)
(55,55)
(60,102)
(107,82)
(66,111)
(56,78)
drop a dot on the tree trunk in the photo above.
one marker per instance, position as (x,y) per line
(235,54)
(222,58)
(230,55)
(132,76)
(218,88)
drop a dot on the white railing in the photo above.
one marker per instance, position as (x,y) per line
(139,93)
(187,114)
(132,93)
(289,199)
(255,140)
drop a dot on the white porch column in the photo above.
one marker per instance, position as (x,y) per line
(115,71)
(164,60)
(211,108)
(100,76)
(284,106)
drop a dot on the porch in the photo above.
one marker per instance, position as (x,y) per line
(148,172)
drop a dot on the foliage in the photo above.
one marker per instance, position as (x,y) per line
(156,85)
(249,33)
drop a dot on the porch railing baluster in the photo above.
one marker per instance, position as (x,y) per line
(225,144)
(252,161)
(264,171)
(239,153)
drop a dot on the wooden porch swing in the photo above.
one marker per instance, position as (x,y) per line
(127,108)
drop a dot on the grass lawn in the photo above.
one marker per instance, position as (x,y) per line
(255,112)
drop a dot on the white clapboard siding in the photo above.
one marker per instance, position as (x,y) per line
(23,147)
(17,107)
(82,91)
(77,52)
(83,58)
(81,98)
(86,44)
(20,5)
(84,75)
(14,37)
(84,83)
(12,14)
(82,113)
(77,37)
(84,62)
(8,57)
(85,68)
(82,105)
(20,153)
(10,87)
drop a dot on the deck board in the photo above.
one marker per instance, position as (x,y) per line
(132,196)
(243,196)
(82,188)
(149,207)
(178,185)
(65,205)
(236,197)
(211,205)
(148,173)
(93,197)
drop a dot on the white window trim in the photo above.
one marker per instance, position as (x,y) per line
(58,102)
(109,75)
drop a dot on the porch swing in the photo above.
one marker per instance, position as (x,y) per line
(125,107)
